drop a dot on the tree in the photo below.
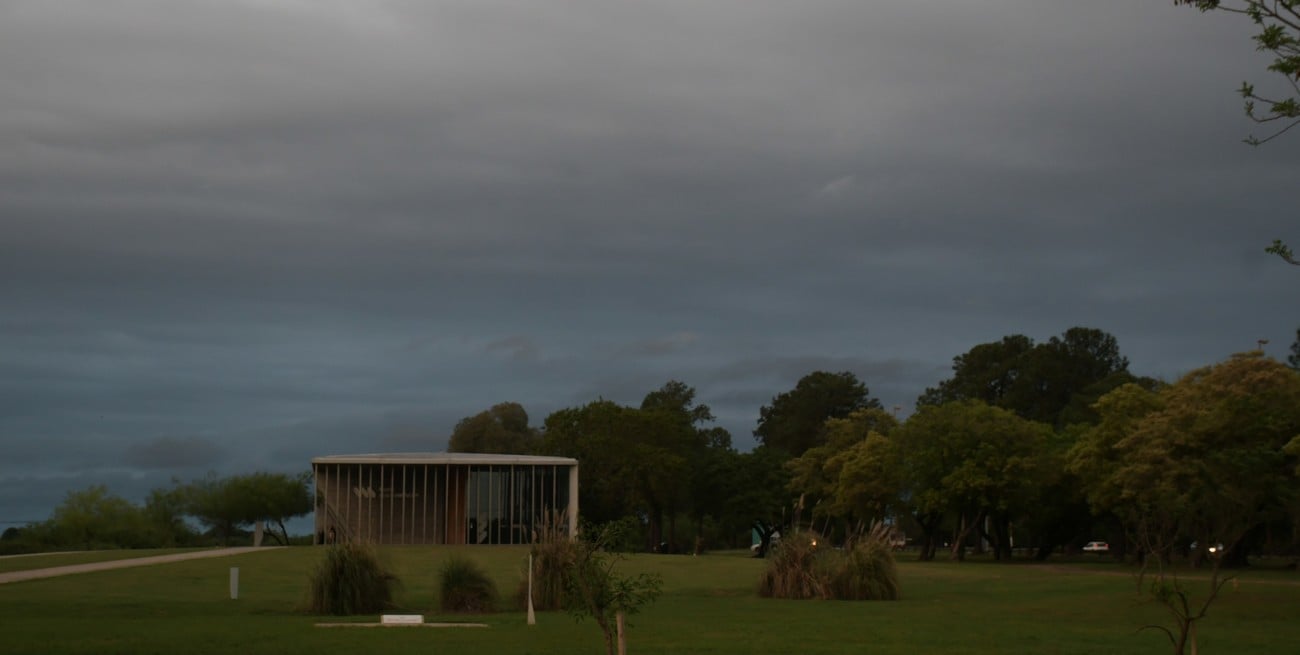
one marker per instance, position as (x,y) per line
(679,398)
(1202,460)
(1278,22)
(634,461)
(969,460)
(794,421)
(1206,459)
(869,485)
(226,504)
(503,429)
(94,518)
(598,590)
(1284,251)
(1047,382)
(815,475)
(165,509)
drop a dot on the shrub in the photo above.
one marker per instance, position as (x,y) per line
(864,570)
(465,587)
(792,570)
(351,580)
(555,555)
(868,572)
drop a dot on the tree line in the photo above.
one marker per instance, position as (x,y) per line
(1028,447)
(225,507)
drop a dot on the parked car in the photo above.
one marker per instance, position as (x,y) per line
(1214,550)
(1096,547)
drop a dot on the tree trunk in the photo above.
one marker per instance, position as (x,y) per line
(1002,549)
(929,537)
(607,630)
(622,633)
(959,541)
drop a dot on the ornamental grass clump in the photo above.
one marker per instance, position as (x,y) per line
(351,580)
(792,570)
(867,571)
(465,587)
(800,569)
(554,557)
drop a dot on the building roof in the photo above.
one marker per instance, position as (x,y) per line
(445,458)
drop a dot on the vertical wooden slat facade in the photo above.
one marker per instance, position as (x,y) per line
(442,498)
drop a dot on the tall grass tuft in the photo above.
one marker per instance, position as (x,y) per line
(792,570)
(351,580)
(555,556)
(864,570)
(465,587)
(868,571)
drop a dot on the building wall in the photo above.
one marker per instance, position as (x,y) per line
(394,503)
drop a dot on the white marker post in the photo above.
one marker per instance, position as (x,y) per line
(532,618)
(234,583)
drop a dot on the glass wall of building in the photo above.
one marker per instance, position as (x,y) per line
(456,498)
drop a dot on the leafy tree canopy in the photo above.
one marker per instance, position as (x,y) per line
(1050,382)
(502,429)
(796,419)
(1202,459)
(225,504)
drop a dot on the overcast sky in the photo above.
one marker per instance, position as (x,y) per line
(236,234)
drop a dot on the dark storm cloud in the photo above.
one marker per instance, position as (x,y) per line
(290,228)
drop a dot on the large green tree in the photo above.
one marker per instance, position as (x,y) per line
(1050,382)
(502,429)
(815,475)
(1203,459)
(795,420)
(94,518)
(968,460)
(705,449)
(635,462)
(226,504)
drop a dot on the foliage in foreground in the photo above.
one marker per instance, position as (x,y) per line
(351,580)
(597,590)
(465,587)
(864,570)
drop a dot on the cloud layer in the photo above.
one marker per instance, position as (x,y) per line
(235,235)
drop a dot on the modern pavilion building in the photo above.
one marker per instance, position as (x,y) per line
(442,498)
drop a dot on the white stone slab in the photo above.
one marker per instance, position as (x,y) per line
(401,619)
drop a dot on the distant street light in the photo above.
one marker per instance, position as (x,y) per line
(1260,344)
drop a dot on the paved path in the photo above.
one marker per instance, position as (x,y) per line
(36,574)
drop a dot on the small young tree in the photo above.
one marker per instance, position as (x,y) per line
(597,590)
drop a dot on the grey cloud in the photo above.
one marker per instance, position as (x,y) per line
(517,348)
(293,229)
(174,453)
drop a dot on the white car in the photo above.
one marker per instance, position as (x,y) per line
(1096,547)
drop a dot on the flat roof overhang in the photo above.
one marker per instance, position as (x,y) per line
(446,458)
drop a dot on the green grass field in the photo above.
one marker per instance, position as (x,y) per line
(708,606)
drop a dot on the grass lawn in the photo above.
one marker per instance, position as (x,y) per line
(708,606)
